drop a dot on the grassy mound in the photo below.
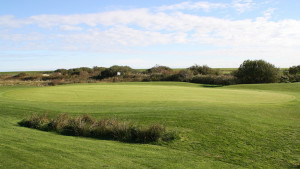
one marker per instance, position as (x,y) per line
(86,126)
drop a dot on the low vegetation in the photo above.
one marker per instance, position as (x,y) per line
(249,72)
(111,129)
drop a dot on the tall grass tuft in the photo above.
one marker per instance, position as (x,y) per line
(111,129)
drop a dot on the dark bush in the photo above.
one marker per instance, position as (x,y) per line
(294,78)
(151,134)
(284,78)
(203,70)
(157,77)
(62,71)
(35,121)
(22,74)
(159,69)
(294,74)
(215,80)
(113,71)
(294,70)
(32,77)
(184,75)
(257,71)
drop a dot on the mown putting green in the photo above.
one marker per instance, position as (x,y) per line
(241,126)
(137,93)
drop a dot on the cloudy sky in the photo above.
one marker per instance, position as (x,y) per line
(51,34)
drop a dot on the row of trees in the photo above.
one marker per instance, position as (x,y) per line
(250,71)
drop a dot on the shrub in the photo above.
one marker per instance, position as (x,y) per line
(106,129)
(113,70)
(21,75)
(55,82)
(203,70)
(294,74)
(257,71)
(184,75)
(31,78)
(159,69)
(294,70)
(151,134)
(35,121)
(157,77)
(62,71)
(53,76)
(215,80)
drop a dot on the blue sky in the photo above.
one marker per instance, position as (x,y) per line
(52,34)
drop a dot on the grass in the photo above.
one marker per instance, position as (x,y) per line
(110,129)
(239,126)
(27,72)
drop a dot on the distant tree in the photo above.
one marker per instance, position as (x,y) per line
(159,69)
(98,69)
(203,70)
(257,71)
(294,70)
(62,71)
(113,71)
(86,69)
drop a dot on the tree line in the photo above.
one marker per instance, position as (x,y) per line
(249,72)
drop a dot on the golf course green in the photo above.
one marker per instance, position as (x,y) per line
(238,126)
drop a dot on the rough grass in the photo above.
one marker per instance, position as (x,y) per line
(240,126)
(111,129)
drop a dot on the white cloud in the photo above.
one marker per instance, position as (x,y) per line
(11,21)
(70,28)
(238,5)
(111,31)
(204,5)
(268,13)
(243,5)
(142,28)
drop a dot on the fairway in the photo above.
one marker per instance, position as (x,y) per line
(241,126)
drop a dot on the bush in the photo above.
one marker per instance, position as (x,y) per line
(106,129)
(151,134)
(35,121)
(257,71)
(294,70)
(203,70)
(21,75)
(113,70)
(62,71)
(215,80)
(184,75)
(159,69)
(294,74)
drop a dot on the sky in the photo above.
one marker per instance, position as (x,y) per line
(52,34)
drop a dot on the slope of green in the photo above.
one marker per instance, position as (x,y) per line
(240,126)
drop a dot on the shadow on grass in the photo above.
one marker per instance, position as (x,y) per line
(211,86)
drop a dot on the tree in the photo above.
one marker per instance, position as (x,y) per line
(257,71)
(203,70)
(294,70)
(113,71)
(159,69)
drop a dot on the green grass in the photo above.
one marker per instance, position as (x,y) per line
(239,126)
(28,72)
